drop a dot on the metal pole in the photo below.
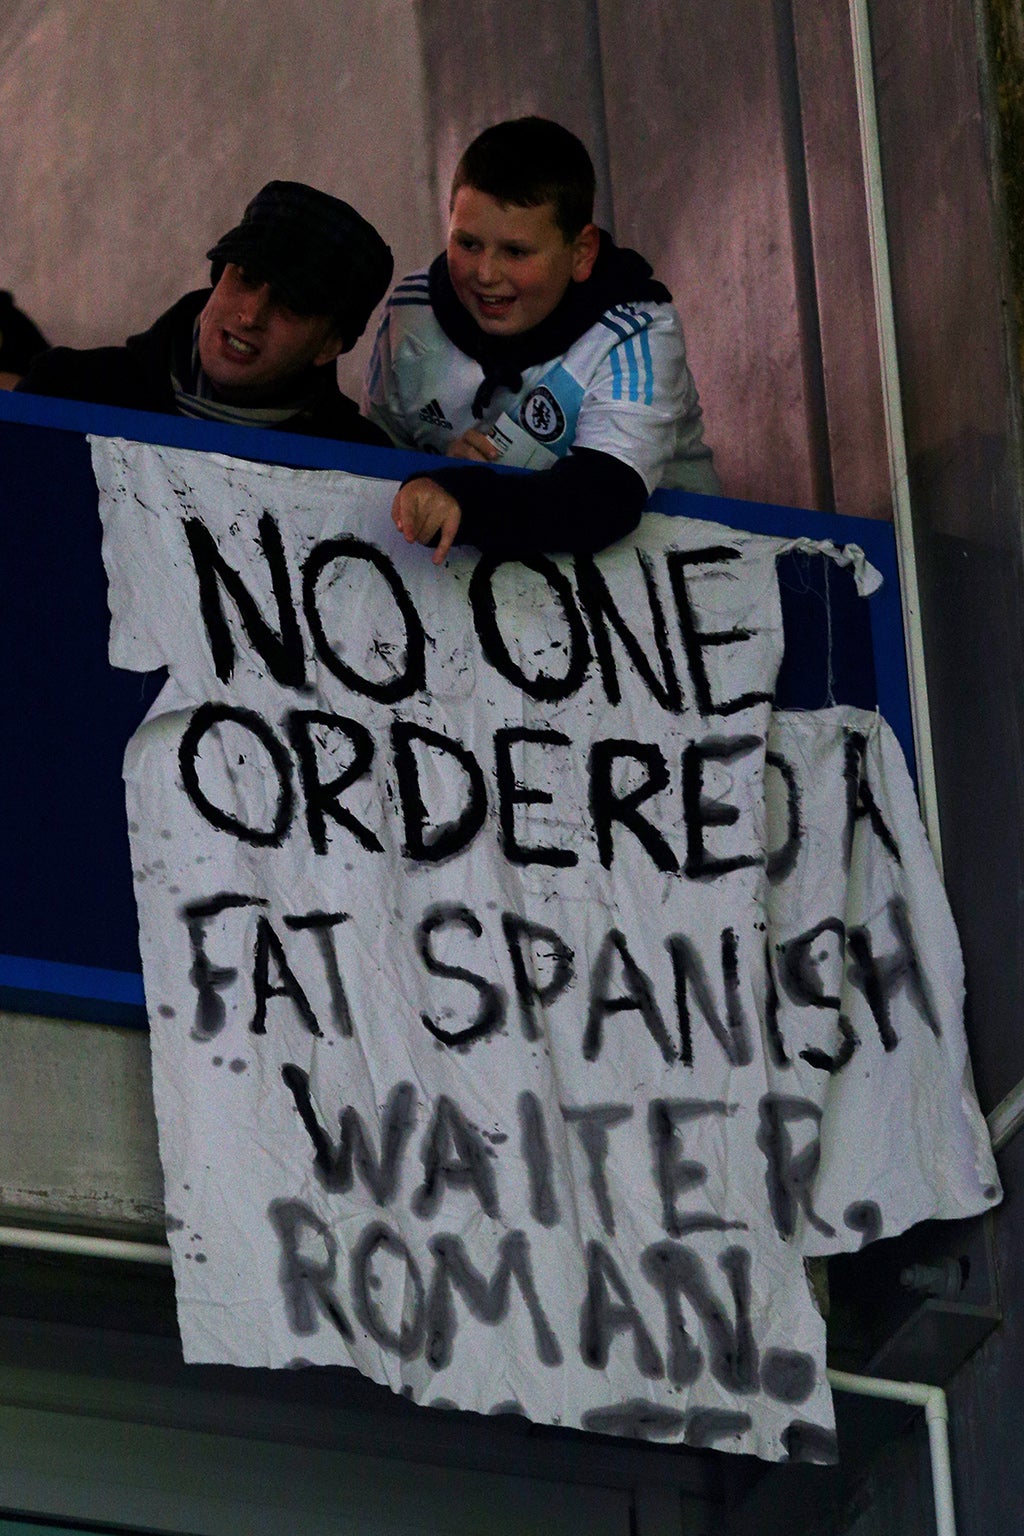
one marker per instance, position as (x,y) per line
(871,160)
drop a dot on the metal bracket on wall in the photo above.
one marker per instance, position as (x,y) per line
(916,1307)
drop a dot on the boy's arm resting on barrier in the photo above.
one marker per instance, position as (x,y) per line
(585,502)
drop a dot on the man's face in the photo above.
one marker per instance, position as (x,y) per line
(510,266)
(251,344)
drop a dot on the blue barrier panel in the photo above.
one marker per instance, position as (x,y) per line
(68,937)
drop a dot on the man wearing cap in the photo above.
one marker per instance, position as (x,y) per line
(294,285)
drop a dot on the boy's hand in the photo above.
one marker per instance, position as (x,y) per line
(421,510)
(474,444)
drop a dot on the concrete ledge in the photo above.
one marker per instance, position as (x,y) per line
(78,1141)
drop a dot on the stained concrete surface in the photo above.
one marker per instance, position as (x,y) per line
(77,1128)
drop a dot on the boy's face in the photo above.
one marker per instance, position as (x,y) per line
(510,266)
(251,343)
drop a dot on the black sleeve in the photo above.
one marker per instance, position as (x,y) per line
(42,377)
(97,376)
(582,504)
(363,430)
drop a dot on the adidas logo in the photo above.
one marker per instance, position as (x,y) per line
(433,415)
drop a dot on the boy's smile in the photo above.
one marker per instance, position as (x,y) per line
(510,266)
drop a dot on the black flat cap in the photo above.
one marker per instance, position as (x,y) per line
(321,255)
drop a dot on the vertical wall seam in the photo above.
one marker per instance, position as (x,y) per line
(598,115)
(805,275)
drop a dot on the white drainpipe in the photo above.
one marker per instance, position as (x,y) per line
(78,1246)
(936,1412)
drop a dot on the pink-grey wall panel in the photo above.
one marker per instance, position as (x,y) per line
(697,143)
(133,135)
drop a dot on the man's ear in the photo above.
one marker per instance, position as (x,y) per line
(584,252)
(333,347)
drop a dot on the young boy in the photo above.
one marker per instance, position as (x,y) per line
(534,340)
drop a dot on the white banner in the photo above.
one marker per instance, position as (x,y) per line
(527,1000)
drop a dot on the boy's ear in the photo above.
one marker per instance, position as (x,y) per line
(584,252)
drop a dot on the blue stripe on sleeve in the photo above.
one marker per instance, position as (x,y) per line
(634,370)
(627,326)
(619,328)
(645,348)
(411,290)
(624,320)
(616,373)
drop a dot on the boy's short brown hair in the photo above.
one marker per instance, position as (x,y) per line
(527,161)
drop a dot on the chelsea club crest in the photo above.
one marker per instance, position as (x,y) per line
(542,416)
